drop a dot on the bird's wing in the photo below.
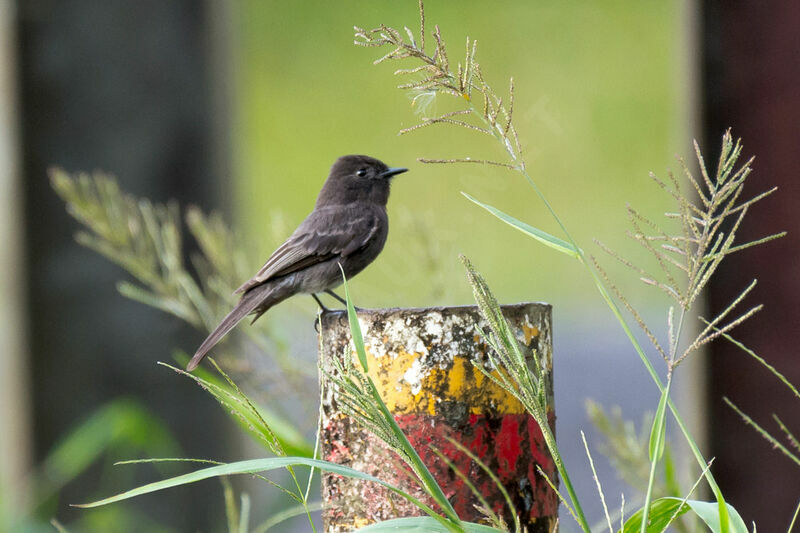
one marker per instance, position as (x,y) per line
(325,233)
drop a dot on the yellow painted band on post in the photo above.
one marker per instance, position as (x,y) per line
(408,386)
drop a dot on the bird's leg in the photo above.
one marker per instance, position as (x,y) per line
(318,320)
(319,302)
(342,300)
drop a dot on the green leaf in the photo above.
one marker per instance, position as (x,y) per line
(355,329)
(422,524)
(119,422)
(658,431)
(663,509)
(541,236)
(252,466)
(709,513)
(661,512)
(255,466)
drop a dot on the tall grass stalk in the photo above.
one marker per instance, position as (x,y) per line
(516,377)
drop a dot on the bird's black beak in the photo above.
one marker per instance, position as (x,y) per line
(389,172)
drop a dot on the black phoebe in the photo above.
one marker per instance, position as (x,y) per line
(347,227)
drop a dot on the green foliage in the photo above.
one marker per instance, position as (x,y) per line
(120,424)
(655,448)
(286,514)
(119,427)
(794,519)
(628,451)
(687,261)
(250,467)
(422,524)
(257,466)
(664,511)
(146,240)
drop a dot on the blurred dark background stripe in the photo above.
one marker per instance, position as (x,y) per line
(14,384)
(751,83)
(127,88)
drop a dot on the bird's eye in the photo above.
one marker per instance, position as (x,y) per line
(361,172)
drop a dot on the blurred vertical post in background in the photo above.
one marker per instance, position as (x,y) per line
(126,88)
(14,412)
(752,84)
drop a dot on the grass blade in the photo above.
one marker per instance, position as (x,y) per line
(794,519)
(659,429)
(355,328)
(286,514)
(421,524)
(764,433)
(265,425)
(252,466)
(402,445)
(541,236)
(656,449)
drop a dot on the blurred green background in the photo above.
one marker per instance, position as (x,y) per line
(601,100)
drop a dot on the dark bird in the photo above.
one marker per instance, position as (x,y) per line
(347,227)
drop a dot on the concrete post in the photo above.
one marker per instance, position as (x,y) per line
(422,360)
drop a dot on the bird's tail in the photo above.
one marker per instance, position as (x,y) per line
(255,297)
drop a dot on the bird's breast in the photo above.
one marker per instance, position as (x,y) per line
(372,246)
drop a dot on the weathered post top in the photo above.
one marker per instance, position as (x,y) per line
(423,362)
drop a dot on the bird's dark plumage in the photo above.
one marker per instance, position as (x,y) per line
(347,227)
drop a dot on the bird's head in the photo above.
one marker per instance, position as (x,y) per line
(355,178)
